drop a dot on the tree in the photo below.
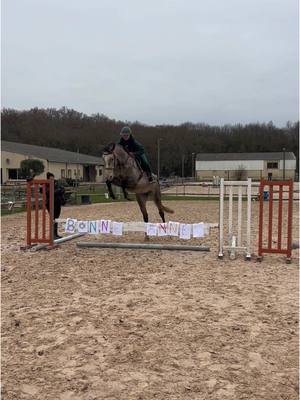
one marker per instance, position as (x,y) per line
(71,130)
(31,167)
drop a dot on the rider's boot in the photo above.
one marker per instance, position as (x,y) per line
(150,177)
(56,235)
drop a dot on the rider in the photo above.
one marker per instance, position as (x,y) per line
(59,200)
(136,149)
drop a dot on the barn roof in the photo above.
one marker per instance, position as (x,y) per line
(245,156)
(50,153)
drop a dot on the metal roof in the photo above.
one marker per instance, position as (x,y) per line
(268,156)
(50,153)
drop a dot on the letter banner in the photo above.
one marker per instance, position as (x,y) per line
(171,228)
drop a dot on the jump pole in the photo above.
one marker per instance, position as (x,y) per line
(58,241)
(145,246)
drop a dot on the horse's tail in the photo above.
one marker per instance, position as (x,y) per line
(167,210)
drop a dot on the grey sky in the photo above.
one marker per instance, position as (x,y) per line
(158,61)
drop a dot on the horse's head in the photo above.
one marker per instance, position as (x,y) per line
(109,161)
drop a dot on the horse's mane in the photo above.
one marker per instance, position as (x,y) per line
(108,148)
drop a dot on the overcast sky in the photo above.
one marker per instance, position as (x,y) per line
(155,61)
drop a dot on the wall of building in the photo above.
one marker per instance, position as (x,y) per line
(60,170)
(256,175)
(76,171)
(228,175)
(12,161)
(228,165)
(255,169)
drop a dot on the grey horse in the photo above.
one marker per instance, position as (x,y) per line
(122,169)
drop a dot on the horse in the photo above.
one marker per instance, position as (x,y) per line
(123,170)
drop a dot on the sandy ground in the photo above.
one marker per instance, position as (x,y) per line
(124,324)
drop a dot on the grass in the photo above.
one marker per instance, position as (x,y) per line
(186,197)
(13,211)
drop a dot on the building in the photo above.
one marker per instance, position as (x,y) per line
(62,163)
(235,166)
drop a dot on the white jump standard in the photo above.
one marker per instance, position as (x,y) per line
(235,240)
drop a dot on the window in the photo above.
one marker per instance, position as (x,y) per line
(75,172)
(14,173)
(100,172)
(69,173)
(62,173)
(272,165)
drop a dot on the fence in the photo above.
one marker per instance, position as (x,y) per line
(235,242)
(37,212)
(284,219)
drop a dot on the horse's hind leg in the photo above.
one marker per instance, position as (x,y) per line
(157,201)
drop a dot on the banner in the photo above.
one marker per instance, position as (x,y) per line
(105,227)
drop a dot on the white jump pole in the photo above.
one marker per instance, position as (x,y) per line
(239,223)
(58,241)
(249,193)
(230,213)
(221,219)
(231,237)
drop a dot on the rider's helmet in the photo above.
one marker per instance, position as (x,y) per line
(125,131)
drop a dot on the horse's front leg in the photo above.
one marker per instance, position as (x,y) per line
(142,199)
(109,188)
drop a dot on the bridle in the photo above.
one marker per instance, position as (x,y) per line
(120,164)
(116,160)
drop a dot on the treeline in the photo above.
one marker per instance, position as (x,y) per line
(71,130)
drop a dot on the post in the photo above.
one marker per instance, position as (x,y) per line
(51,210)
(29,193)
(221,219)
(158,158)
(239,222)
(249,193)
(77,172)
(193,165)
(283,166)
(230,208)
(182,166)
